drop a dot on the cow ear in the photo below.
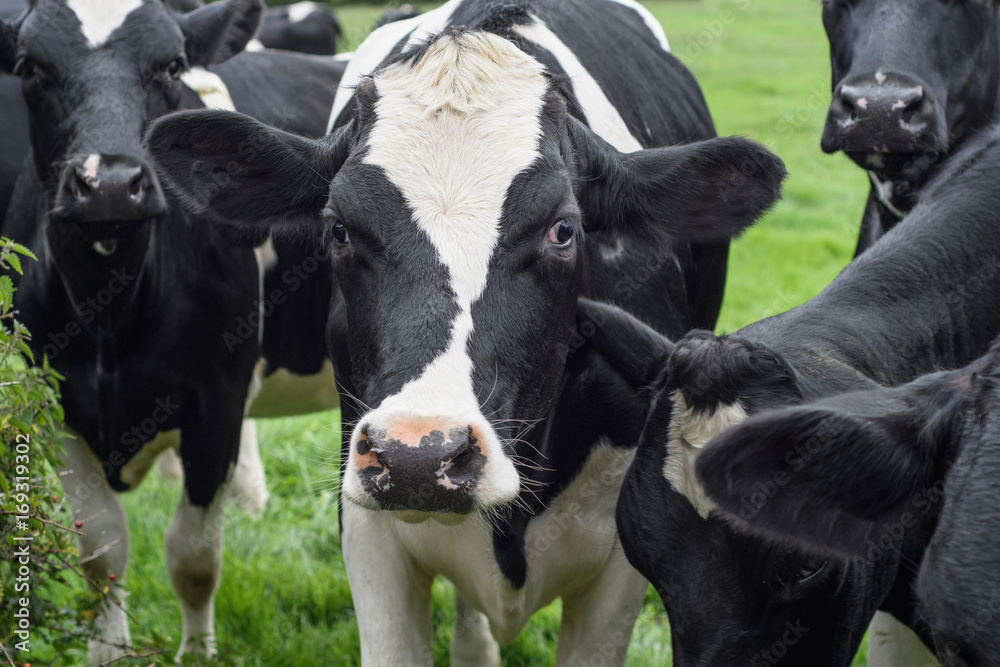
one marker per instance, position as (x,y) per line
(707,190)
(232,168)
(636,351)
(219,31)
(834,474)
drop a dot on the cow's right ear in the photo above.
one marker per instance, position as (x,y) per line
(232,168)
(634,350)
(833,474)
(217,32)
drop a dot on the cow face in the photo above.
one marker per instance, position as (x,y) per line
(460,196)
(910,80)
(94,74)
(731,597)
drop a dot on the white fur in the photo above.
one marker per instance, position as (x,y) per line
(300,10)
(436,137)
(90,167)
(690,430)
(892,644)
(103,546)
(379,44)
(193,554)
(255,45)
(650,21)
(100,18)
(210,88)
(602,117)
(883,190)
(573,553)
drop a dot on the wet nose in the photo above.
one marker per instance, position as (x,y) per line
(425,465)
(880,113)
(109,188)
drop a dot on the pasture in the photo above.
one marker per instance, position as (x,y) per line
(284,599)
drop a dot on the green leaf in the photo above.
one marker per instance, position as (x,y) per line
(15,263)
(22,250)
(6,293)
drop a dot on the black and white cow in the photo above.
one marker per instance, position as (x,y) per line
(309,27)
(912,81)
(151,314)
(479,179)
(922,299)
(921,458)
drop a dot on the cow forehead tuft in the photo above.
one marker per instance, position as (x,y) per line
(463,72)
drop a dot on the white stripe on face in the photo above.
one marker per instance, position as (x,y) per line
(378,45)
(100,18)
(452,133)
(602,117)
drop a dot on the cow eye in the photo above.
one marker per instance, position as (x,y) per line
(336,230)
(810,572)
(560,234)
(174,69)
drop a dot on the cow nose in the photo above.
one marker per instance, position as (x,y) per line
(422,465)
(883,114)
(109,188)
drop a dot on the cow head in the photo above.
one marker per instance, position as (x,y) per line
(94,74)
(732,598)
(910,80)
(883,468)
(456,204)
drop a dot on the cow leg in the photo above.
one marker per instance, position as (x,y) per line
(598,620)
(472,643)
(892,644)
(105,533)
(193,554)
(249,488)
(392,596)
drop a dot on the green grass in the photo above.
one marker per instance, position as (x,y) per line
(284,598)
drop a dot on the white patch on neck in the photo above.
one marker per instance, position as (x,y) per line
(690,430)
(378,45)
(439,125)
(650,21)
(210,88)
(300,10)
(100,18)
(883,190)
(602,117)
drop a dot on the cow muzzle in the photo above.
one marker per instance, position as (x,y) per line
(883,114)
(108,189)
(419,465)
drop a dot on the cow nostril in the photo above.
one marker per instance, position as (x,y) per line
(81,189)
(135,187)
(915,109)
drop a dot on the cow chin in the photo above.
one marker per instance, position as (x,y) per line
(421,467)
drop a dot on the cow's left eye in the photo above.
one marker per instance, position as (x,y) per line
(560,234)
(174,69)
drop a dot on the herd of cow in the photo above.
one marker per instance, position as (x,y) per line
(449,222)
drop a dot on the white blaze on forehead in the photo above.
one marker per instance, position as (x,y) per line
(602,117)
(100,18)
(690,430)
(452,132)
(378,45)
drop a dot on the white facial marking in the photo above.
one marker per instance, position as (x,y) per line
(883,190)
(602,117)
(379,44)
(300,10)
(690,430)
(879,77)
(90,167)
(210,88)
(439,125)
(100,18)
(863,102)
(650,21)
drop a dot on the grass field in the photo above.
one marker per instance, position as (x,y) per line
(284,599)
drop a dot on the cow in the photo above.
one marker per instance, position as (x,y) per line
(918,458)
(150,314)
(920,300)
(309,27)
(491,160)
(912,81)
